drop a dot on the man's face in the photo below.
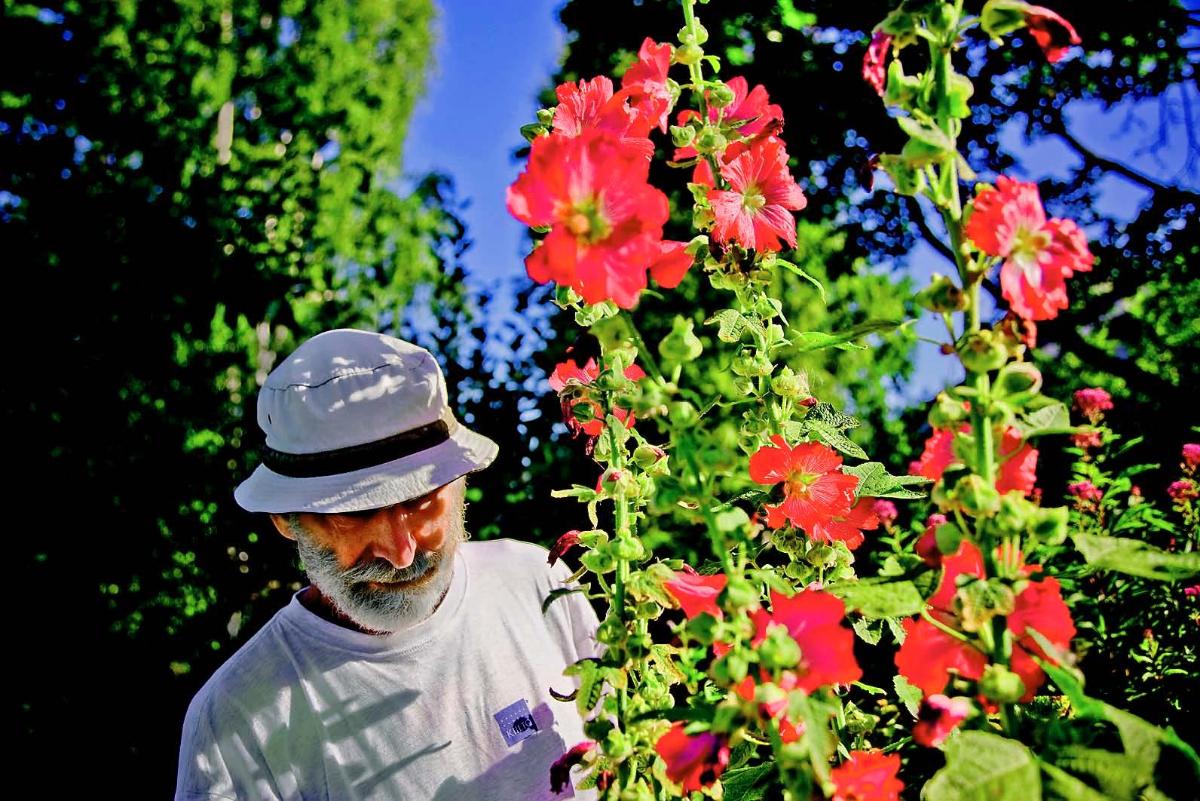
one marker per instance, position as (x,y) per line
(385,569)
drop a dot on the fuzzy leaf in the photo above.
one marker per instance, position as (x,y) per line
(1136,558)
(876,599)
(985,767)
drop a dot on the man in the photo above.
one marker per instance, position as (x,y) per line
(415,665)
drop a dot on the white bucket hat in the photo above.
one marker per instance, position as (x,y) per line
(357,420)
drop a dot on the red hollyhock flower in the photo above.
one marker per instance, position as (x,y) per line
(752,105)
(671,265)
(1039,254)
(967,559)
(693,761)
(565,543)
(927,547)
(697,594)
(938,717)
(874,68)
(867,776)
(937,455)
(646,84)
(591,105)
(560,769)
(605,220)
(1018,468)
(754,213)
(928,654)
(847,528)
(1040,606)
(814,620)
(568,372)
(1052,33)
(814,489)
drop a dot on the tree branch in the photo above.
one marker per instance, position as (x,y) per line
(1091,158)
(918,215)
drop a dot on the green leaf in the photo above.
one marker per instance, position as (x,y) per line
(798,271)
(747,784)
(1052,419)
(985,767)
(835,439)
(732,519)
(1136,558)
(1066,787)
(909,694)
(808,341)
(733,325)
(876,599)
(556,594)
(928,134)
(874,481)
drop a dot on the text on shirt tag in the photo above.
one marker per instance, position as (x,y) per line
(516,723)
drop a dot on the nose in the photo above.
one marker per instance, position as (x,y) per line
(398,533)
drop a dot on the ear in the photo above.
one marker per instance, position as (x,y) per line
(281,525)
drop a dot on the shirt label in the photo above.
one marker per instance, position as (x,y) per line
(516,723)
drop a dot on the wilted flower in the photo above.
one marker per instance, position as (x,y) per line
(693,760)
(560,769)
(1052,33)
(564,544)
(874,67)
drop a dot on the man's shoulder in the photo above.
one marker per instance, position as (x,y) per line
(507,551)
(514,564)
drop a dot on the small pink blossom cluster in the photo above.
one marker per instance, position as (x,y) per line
(1085,491)
(1092,403)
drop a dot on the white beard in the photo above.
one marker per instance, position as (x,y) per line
(384,610)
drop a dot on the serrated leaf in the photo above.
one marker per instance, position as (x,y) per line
(733,324)
(1052,419)
(876,599)
(1066,787)
(909,694)
(985,767)
(556,594)
(800,272)
(869,631)
(826,413)
(747,784)
(835,439)
(1136,558)
(808,341)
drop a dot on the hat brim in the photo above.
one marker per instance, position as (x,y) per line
(370,488)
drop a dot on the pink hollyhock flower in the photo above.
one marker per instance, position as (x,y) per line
(697,594)
(847,528)
(927,547)
(1192,591)
(565,543)
(1093,402)
(646,84)
(605,219)
(1183,490)
(874,67)
(1191,455)
(754,212)
(885,510)
(815,490)
(1039,254)
(671,265)
(591,105)
(814,621)
(693,760)
(1052,33)
(1085,491)
(867,776)
(1018,467)
(1088,439)
(938,716)
(560,769)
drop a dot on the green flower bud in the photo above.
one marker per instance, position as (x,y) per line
(1015,513)
(751,365)
(685,36)
(980,601)
(646,455)
(947,413)
(1050,525)
(617,746)
(983,352)
(688,54)
(779,651)
(703,628)
(907,179)
(1018,382)
(942,295)
(682,135)
(545,116)
(731,668)
(1001,685)
(533,130)
(710,140)
(583,412)
(822,556)
(628,548)
(683,413)
(977,497)
(948,537)
(740,593)
(599,562)
(858,721)
(1000,17)
(791,385)
(611,631)
(720,95)
(942,18)
(597,728)
(681,345)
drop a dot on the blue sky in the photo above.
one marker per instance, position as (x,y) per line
(493,57)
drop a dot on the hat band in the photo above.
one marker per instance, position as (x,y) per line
(356,457)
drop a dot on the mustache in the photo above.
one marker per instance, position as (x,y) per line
(382,571)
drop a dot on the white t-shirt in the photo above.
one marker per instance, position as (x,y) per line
(455,708)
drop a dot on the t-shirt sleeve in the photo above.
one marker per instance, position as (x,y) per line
(580,615)
(217,758)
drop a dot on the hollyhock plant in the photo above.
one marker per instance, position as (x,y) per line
(927,547)
(815,490)
(751,108)
(560,769)
(693,760)
(867,776)
(814,620)
(874,66)
(605,220)
(568,372)
(1039,253)
(938,716)
(645,83)
(1018,469)
(754,212)
(591,105)
(1183,490)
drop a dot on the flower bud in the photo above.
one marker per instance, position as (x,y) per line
(1001,685)
(686,36)
(681,345)
(1049,526)
(1015,513)
(1017,382)
(682,135)
(545,116)
(980,601)
(646,455)
(710,140)
(983,352)
(947,413)
(720,95)
(751,365)
(740,593)
(977,497)
(617,746)
(688,54)
(628,548)
(683,413)
(942,295)
(822,556)
(858,721)
(1002,17)
(779,650)
(789,384)
(611,631)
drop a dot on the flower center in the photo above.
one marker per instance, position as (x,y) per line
(753,199)
(1028,244)
(587,222)
(798,483)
